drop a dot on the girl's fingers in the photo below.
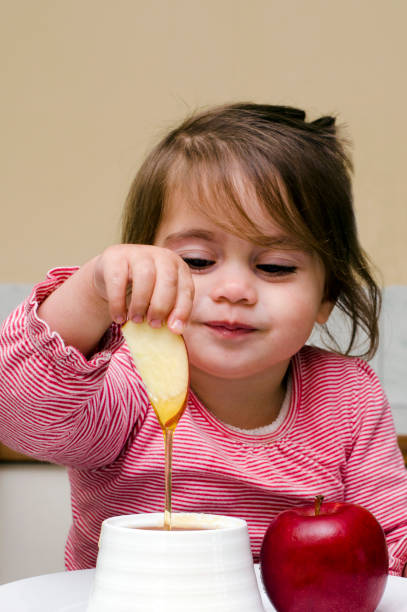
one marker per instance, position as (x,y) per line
(144,281)
(115,282)
(183,306)
(143,276)
(165,289)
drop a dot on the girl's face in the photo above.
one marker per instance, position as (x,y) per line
(254,306)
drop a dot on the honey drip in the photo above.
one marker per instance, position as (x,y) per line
(168,439)
(169,412)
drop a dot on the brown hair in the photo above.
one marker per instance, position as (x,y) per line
(298,170)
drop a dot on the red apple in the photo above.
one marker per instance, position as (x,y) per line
(329,558)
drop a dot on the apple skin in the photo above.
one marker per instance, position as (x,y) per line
(336,561)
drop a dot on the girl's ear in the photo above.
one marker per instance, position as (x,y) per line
(324,311)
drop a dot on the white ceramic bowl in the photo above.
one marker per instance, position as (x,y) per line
(141,570)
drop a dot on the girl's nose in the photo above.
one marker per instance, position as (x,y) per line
(234,288)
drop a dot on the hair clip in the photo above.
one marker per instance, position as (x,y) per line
(324,122)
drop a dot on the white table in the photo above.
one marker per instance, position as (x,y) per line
(69,591)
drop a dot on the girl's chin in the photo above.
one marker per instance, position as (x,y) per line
(227,369)
(240,360)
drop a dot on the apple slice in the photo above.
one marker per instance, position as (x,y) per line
(161,358)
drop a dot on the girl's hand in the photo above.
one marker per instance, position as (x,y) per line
(125,281)
(144,281)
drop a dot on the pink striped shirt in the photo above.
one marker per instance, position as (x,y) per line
(337,438)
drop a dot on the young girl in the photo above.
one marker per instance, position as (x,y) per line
(239,232)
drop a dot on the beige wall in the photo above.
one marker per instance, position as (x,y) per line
(89,85)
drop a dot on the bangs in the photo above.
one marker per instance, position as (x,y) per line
(238,198)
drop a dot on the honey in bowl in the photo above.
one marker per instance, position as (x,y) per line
(161,359)
(174,528)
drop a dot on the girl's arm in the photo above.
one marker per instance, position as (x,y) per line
(55,404)
(125,281)
(76,311)
(65,396)
(376,476)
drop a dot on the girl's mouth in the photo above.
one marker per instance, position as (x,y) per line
(228,329)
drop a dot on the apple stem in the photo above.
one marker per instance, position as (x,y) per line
(318,503)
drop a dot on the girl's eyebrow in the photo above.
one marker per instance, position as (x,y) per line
(282,241)
(192,233)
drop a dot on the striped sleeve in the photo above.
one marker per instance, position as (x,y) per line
(376,476)
(55,404)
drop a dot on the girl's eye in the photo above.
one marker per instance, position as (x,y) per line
(198,263)
(276,270)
